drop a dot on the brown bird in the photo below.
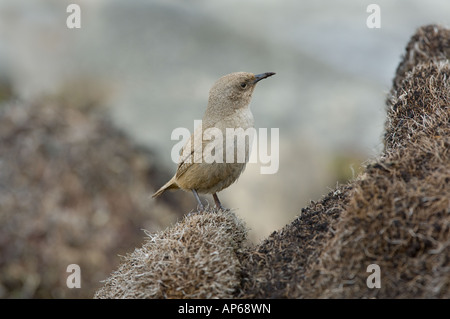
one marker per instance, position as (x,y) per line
(203,166)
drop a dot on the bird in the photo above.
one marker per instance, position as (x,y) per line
(228,108)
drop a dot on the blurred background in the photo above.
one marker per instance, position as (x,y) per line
(148,66)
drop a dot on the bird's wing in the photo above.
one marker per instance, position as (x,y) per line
(210,149)
(186,160)
(191,152)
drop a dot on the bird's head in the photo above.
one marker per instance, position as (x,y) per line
(233,91)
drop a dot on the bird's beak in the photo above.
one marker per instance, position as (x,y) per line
(259,77)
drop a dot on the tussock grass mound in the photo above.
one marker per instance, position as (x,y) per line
(276,267)
(398,216)
(430,44)
(196,258)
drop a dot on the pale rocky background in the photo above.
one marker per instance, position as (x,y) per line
(156,60)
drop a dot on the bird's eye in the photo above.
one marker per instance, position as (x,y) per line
(243,85)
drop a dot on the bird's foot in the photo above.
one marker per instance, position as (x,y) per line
(221,208)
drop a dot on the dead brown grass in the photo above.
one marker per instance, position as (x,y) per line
(196,258)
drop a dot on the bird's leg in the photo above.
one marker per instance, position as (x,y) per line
(200,205)
(217,201)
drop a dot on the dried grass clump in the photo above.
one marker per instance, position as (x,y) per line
(398,218)
(196,258)
(420,108)
(430,44)
(414,98)
(275,268)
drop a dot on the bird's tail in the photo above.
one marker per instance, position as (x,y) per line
(169,185)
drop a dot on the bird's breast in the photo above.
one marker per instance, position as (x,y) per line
(242,118)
